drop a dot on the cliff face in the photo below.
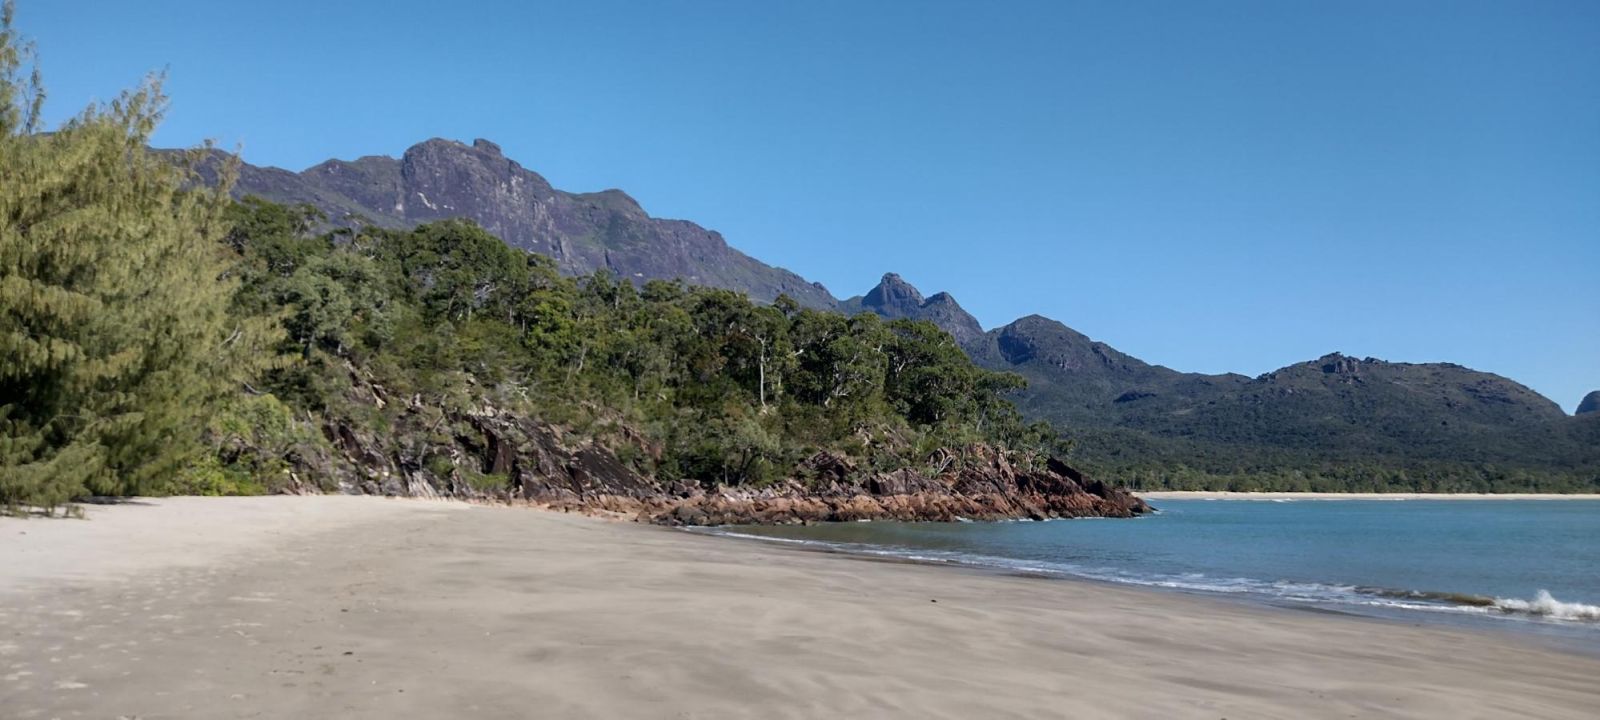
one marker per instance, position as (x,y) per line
(584,232)
(979,484)
(486,453)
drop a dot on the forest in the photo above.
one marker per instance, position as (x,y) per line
(159,336)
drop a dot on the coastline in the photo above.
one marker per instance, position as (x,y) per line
(1230,495)
(372,607)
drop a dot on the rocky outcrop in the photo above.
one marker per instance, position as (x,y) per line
(1590,404)
(486,453)
(980,485)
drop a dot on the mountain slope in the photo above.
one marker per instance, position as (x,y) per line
(1333,409)
(584,232)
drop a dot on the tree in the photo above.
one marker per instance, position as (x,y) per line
(114,327)
(457,269)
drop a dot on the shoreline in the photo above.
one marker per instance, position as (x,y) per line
(391,608)
(1564,635)
(1231,495)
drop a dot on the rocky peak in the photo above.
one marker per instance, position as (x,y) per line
(893,294)
(486,146)
(1590,404)
(895,298)
(1339,364)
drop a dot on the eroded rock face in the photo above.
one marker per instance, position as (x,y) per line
(984,486)
(487,454)
(479,454)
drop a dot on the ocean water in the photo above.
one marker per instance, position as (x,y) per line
(1519,564)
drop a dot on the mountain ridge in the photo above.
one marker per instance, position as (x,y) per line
(438,179)
(1335,407)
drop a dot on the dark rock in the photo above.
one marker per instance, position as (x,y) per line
(1590,404)
(828,467)
(986,487)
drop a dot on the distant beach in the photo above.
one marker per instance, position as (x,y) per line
(1224,495)
(375,608)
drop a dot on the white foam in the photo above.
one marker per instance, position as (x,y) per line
(1544,605)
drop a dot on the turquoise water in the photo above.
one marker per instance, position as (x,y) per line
(1512,563)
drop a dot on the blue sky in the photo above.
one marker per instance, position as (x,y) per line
(1212,186)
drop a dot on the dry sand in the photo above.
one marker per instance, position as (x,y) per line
(1226,495)
(369,608)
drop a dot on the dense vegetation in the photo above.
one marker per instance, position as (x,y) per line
(1141,460)
(694,384)
(114,336)
(729,391)
(159,338)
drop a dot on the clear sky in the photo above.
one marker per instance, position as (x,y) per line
(1212,186)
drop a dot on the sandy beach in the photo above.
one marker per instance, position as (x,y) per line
(1226,495)
(320,607)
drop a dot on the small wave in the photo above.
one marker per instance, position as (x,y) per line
(1544,605)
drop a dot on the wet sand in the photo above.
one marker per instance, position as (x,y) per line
(370,608)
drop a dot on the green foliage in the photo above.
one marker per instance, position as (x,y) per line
(157,338)
(723,390)
(115,333)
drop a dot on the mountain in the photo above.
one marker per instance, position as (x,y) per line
(895,298)
(1590,404)
(1125,412)
(1076,380)
(1335,408)
(584,232)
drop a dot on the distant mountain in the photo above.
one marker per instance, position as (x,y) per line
(584,232)
(1333,408)
(895,298)
(1128,414)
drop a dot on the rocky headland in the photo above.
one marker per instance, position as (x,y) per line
(487,453)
